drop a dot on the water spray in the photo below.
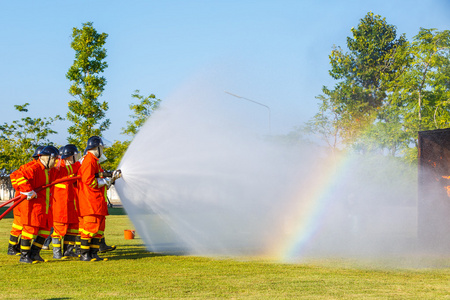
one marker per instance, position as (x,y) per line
(253,101)
(199,181)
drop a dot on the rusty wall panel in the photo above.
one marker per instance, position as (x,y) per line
(434,189)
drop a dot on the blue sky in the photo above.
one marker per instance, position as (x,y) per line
(274,52)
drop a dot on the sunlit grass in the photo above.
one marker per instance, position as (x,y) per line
(132,272)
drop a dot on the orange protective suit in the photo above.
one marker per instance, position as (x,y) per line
(65,216)
(17,225)
(36,213)
(92,198)
(15,178)
(64,198)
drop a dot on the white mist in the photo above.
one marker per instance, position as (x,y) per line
(198,179)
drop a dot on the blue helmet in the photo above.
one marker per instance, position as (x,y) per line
(49,150)
(94,141)
(68,151)
(37,152)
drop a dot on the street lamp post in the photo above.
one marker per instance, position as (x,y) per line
(256,102)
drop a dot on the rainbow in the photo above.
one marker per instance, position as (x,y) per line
(308,209)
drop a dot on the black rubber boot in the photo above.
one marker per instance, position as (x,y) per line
(69,245)
(12,250)
(94,247)
(77,245)
(85,251)
(57,254)
(104,247)
(68,251)
(36,249)
(12,246)
(25,247)
(17,247)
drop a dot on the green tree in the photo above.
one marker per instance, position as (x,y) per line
(141,112)
(19,139)
(326,124)
(431,77)
(376,57)
(422,93)
(86,111)
(115,154)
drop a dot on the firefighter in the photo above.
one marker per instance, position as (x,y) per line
(16,231)
(65,216)
(36,212)
(92,199)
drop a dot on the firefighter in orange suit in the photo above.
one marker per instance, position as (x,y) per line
(65,216)
(36,212)
(92,199)
(16,231)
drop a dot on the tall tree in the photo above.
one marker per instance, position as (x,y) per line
(86,111)
(376,57)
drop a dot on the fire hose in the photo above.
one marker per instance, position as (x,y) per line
(17,200)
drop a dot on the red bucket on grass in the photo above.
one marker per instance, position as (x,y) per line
(129,234)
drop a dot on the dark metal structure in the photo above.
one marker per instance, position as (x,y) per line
(434,189)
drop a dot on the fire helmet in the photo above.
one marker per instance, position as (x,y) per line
(93,142)
(37,152)
(68,151)
(49,150)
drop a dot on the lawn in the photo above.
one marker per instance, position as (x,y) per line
(133,272)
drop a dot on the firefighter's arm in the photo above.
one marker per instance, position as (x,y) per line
(22,184)
(89,176)
(14,178)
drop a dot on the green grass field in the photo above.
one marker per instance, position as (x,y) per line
(132,272)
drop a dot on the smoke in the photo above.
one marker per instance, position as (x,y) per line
(198,179)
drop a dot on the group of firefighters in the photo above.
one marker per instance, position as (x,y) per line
(75,207)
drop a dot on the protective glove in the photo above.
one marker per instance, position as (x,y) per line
(104,181)
(116,175)
(30,195)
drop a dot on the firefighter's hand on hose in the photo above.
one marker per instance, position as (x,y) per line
(116,175)
(104,181)
(30,195)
